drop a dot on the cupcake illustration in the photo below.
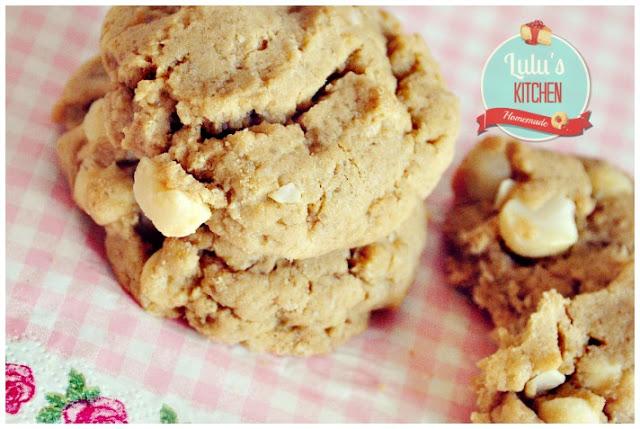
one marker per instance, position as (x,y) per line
(536,33)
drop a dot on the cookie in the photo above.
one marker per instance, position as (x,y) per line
(289,132)
(87,84)
(297,307)
(559,120)
(527,220)
(572,363)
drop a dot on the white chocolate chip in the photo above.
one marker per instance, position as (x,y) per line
(569,410)
(286,194)
(484,168)
(598,373)
(547,230)
(542,382)
(372,130)
(174,213)
(355,17)
(607,181)
(503,191)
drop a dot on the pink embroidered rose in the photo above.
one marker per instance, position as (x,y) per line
(99,410)
(19,386)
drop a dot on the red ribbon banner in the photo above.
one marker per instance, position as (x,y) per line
(532,121)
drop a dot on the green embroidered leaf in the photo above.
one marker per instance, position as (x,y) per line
(168,415)
(50,414)
(76,386)
(77,389)
(91,393)
(56,400)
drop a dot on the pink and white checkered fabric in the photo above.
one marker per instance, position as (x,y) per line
(412,365)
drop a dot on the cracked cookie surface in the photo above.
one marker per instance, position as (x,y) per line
(298,307)
(525,221)
(303,130)
(258,171)
(572,363)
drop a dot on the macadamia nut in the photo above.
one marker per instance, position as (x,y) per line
(537,232)
(174,212)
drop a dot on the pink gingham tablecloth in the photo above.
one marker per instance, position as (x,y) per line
(64,308)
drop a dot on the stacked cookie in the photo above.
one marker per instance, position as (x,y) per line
(544,242)
(259,171)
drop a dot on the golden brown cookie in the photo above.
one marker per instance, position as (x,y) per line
(281,306)
(298,307)
(87,84)
(527,220)
(259,171)
(290,132)
(572,363)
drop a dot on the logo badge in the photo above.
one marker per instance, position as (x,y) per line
(535,86)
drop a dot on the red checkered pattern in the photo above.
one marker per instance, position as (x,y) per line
(414,364)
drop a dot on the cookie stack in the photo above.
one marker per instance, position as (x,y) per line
(259,171)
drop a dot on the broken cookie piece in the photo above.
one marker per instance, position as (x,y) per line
(572,363)
(544,243)
(527,220)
